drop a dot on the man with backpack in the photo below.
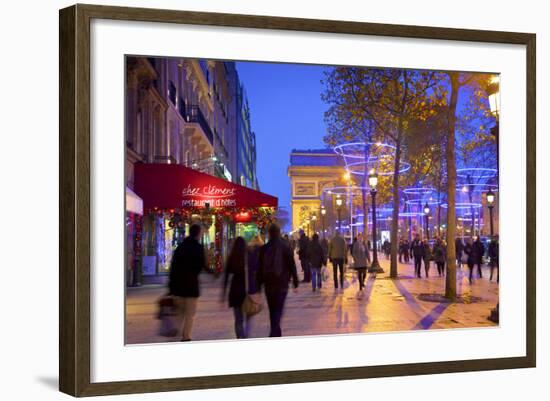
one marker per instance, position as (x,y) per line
(276,268)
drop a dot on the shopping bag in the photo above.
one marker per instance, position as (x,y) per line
(324,273)
(251,305)
(166,314)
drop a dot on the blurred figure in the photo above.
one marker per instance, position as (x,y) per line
(387,248)
(406,250)
(427,257)
(324,245)
(359,253)
(317,259)
(459,249)
(417,250)
(440,256)
(478,252)
(292,243)
(242,265)
(493,257)
(303,245)
(187,262)
(276,268)
(469,251)
(337,253)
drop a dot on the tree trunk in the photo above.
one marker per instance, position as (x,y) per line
(395,212)
(450,279)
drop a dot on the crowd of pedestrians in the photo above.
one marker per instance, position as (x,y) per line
(270,267)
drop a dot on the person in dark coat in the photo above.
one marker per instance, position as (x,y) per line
(317,258)
(417,250)
(303,246)
(478,252)
(406,250)
(469,251)
(440,256)
(459,249)
(188,261)
(324,245)
(240,255)
(337,253)
(493,257)
(387,248)
(276,268)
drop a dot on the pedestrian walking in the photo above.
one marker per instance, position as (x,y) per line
(407,250)
(459,250)
(303,246)
(324,245)
(241,266)
(440,256)
(276,268)
(417,250)
(427,257)
(387,248)
(478,252)
(493,257)
(292,243)
(338,256)
(469,251)
(317,259)
(359,252)
(188,261)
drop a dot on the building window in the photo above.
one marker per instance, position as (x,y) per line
(181,107)
(172,93)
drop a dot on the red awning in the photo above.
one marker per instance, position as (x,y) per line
(171,186)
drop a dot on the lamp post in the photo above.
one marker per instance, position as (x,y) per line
(373,181)
(339,210)
(323,213)
(426,217)
(491,204)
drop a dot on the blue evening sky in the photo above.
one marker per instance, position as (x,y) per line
(286,112)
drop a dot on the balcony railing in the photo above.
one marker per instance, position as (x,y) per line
(193,114)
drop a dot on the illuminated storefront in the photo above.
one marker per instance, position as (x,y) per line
(174,197)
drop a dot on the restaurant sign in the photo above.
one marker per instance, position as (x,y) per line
(212,195)
(169,186)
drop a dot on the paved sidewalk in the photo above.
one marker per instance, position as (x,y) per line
(386,305)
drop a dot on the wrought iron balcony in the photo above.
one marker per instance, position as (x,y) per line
(193,114)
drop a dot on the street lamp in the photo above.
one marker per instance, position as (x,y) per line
(323,213)
(426,214)
(373,182)
(491,204)
(493,93)
(339,210)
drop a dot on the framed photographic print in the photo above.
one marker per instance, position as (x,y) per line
(248,194)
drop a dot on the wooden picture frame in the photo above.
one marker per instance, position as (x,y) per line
(75,206)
